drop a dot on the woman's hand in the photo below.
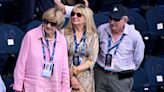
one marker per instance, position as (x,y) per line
(75,83)
(75,70)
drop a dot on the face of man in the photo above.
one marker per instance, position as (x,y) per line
(117,25)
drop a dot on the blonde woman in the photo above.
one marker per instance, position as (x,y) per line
(42,65)
(82,41)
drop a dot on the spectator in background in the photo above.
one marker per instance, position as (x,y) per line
(82,41)
(27,10)
(42,64)
(121,53)
(67,5)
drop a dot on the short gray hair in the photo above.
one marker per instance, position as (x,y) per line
(54,15)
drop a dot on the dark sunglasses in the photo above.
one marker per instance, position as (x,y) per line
(51,23)
(77,14)
(115,19)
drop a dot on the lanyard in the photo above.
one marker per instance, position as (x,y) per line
(77,45)
(47,42)
(115,46)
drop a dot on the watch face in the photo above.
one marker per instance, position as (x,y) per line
(108,59)
(76,60)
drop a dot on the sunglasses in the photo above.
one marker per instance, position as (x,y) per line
(77,14)
(115,19)
(51,23)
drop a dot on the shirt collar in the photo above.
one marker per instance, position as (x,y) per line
(126,29)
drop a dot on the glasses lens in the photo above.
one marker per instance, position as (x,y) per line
(79,14)
(115,19)
(72,14)
(51,23)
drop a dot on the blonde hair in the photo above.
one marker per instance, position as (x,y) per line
(54,15)
(89,21)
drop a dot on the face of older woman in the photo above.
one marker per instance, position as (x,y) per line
(49,28)
(77,17)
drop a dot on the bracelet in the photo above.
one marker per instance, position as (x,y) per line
(75,71)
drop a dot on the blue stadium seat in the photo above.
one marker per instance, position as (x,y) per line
(100,19)
(155,22)
(10,43)
(154,17)
(139,22)
(31,25)
(154,67)
(140,80)
(11,37)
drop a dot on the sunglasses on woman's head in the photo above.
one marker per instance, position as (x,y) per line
(115,19)
(51,23)
(77,14)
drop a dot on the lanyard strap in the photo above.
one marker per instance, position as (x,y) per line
(77,45)
(47,42)
(115,46)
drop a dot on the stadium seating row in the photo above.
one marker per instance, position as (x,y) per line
(149,77)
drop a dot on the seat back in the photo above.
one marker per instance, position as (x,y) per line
(31,25)
(139,22)
(140,80)
(154,67)
(100,19)
(155,22)
(11,37)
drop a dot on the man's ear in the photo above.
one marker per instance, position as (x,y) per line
(125,18)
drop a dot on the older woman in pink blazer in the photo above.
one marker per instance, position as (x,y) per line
(42,65)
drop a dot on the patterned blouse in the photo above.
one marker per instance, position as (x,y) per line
(86,77)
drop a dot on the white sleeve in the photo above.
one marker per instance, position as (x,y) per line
(2,85)
(68,10)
